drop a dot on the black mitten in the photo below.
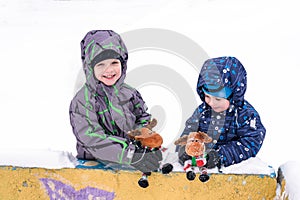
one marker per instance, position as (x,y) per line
(146,160)
(213,159)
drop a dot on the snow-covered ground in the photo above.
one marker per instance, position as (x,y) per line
(40,63)
(46,158)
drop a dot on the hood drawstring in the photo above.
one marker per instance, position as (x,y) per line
(236,117)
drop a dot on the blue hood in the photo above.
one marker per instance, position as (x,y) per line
(224,72)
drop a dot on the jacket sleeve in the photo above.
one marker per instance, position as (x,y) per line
(91,136)
(250,134)
(140,110)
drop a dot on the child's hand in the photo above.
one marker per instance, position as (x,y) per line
(146,160)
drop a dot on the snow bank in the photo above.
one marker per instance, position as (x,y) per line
(50,159)
(250,166)
(43,158)
(290,172)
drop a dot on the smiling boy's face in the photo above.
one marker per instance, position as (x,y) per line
(108,71)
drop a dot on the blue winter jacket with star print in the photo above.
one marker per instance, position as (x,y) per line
(237,133)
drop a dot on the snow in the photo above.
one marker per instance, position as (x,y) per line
(291,174)
(44,158)
(250,166)
(40,64)
(51,159)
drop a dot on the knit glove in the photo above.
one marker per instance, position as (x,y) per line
(213,159)
(145,159)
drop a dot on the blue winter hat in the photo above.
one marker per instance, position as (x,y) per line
(217,91)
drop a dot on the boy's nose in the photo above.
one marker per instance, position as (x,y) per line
(107,68)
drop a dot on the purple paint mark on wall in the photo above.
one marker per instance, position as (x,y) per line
(59,190)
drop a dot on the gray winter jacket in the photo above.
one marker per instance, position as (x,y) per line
(101,115)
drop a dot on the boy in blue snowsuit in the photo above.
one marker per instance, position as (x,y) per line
(225,115)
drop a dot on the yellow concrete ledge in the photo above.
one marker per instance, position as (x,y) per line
(40,183)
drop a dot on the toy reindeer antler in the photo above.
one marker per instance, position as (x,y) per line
(204,137)
(181,141)
(151,124)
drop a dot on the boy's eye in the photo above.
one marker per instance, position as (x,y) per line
(115,62)
(99,65)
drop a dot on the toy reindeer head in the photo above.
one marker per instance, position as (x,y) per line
(147,136)
(194,143)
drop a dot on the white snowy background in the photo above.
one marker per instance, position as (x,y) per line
(40,61)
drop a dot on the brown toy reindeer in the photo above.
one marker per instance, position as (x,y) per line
(195,147)
(147,136)
(151,140)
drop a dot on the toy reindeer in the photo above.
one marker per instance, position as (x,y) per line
(147,136)
(195,147)
(151,140)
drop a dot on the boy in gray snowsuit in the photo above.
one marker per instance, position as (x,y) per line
(105,108)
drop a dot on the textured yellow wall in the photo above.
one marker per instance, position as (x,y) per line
(39,183)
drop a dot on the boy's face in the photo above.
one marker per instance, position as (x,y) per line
(108,71)
(216,103)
